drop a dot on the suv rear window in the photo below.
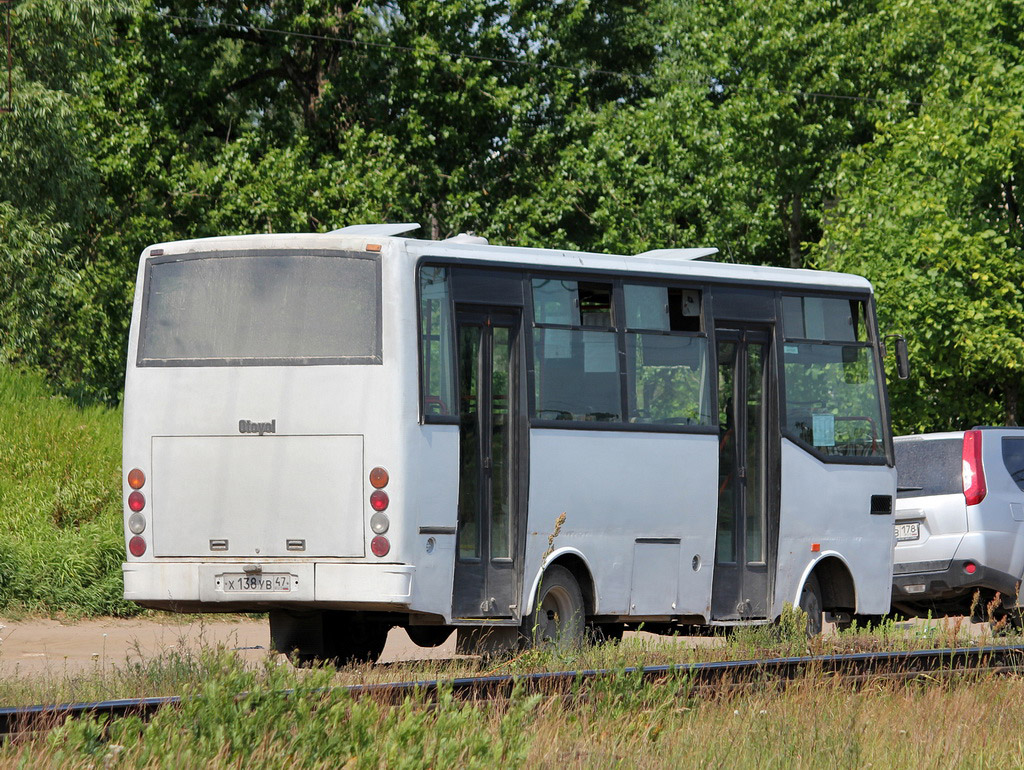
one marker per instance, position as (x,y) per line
(1013,459)
(929,467)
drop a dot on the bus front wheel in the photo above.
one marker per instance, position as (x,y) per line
(350,638)
(810,603)
(558,616)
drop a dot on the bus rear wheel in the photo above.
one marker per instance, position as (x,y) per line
(349,638)
(810,603)
(429,636)
(336,638)
(558,617)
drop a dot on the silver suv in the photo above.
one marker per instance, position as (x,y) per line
(959,523)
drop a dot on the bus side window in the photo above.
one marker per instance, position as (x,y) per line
(824,318)
(576,351)
(437,376)
(666,364)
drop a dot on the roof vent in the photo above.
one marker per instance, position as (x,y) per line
(677,254)
(382,230)
(466,238)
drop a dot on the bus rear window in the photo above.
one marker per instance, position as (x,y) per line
(261,309)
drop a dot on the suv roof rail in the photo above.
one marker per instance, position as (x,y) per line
(996,427)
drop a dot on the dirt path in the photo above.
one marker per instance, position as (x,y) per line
(35,647)
(39,647)
(46,648)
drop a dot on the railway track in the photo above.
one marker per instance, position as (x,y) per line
(906,664)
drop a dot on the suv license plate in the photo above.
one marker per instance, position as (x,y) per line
(906,532)
(255,583)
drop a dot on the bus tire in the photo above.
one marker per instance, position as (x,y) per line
(558,618)
(810,603)
(349,638)
(429,636)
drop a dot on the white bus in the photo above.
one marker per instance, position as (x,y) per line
(358,430)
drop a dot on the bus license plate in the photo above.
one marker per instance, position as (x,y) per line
(910,531)
(256,583)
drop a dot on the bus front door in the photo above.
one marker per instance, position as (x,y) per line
(743,559)
(486,561)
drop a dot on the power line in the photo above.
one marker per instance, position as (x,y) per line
(581,71)
(396,47)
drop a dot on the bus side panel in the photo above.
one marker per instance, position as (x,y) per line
(829,504)
(617,491)
(432,514)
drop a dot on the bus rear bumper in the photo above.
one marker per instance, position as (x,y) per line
(205,587)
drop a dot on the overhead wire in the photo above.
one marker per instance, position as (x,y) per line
(582,71)
(397,47)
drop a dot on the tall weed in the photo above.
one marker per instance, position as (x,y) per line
(60,502)
(272,715)
(276,717)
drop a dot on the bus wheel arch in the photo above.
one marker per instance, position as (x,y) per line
(577,565)
(833,581)
(827,586)
(563,597)
(558,618)
(838,591)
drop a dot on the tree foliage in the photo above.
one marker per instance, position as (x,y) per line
(929,212)
(879,137)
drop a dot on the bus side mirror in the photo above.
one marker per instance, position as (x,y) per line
(902,359)
(902,356)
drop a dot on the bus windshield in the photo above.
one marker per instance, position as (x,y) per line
(268,308)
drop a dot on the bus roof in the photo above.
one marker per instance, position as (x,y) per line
(686,263)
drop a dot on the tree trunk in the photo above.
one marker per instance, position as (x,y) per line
(1011,395)
(1011,202)
(796,232)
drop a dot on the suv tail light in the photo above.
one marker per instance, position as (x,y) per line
(974,473)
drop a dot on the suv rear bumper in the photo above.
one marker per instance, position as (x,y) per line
(928,581)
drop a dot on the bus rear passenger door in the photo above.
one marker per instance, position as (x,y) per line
(486,563)
(746,512)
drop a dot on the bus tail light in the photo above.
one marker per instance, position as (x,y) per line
(379,523)
(379,478)
(380,546)
(137,523)
(136,478)
(973,472)
(379,500)
(136,501)
(136,546)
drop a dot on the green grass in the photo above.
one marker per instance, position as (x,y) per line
(60,502)
(267,713)
(241,717)
(177,669)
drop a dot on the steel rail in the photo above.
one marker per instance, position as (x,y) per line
(900,665)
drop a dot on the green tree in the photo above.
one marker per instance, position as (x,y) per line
(189,119)
(929,212)
(750,108)
(50,189)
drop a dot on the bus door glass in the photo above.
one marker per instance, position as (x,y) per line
(488,362)
(741,579)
